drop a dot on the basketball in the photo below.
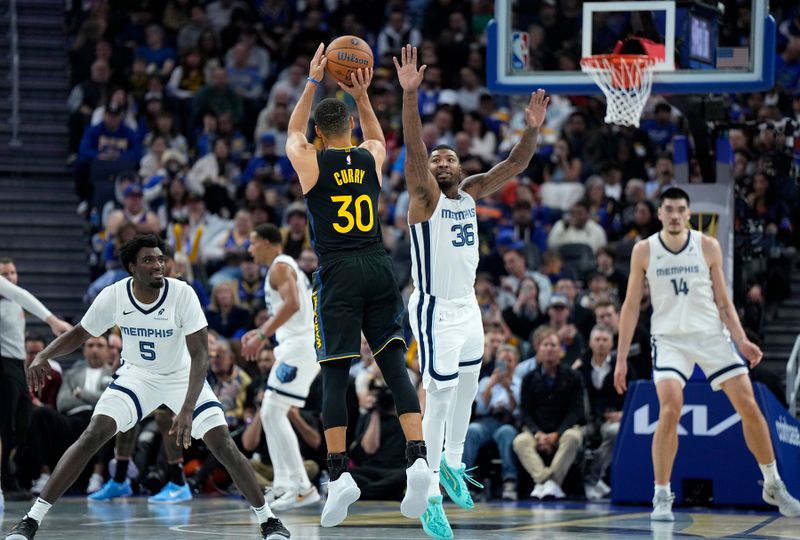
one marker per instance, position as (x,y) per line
(345,55)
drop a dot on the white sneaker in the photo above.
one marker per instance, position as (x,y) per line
(95,483)
(39,484)
(271,494)
(776,494)
(509,490)
(603,488)
(662,506)
(592,492)
(418,478)
(551,489)
(537,491)
(341,494)
(296,499)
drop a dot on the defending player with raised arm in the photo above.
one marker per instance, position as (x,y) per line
(164,361)
(288,296)
(690,307)
(354,288)
(443,310)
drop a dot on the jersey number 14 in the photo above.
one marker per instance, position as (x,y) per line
(680,286)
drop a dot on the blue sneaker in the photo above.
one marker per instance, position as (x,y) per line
(455,483)
(172,494)
(112,490)
(434,521)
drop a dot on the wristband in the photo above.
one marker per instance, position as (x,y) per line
(315,81)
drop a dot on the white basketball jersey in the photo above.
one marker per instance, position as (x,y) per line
(444,249)
(153,335)
(680,288)
(301,324)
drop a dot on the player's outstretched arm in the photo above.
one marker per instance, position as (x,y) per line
(63,344)
(374,140)
(197,343)
(727,311)
(300,152)
(422,188)
(629,314)
(283,280)
(32,305)
(483,184)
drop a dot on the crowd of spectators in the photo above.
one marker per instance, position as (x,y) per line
(179,114)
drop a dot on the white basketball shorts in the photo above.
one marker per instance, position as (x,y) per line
(674,357)
(295,369)
(449,335)
(136,392)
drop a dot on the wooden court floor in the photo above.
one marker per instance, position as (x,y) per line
(223,518)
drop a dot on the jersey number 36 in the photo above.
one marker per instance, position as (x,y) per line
(465,236)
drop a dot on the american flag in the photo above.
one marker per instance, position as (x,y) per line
(733,57)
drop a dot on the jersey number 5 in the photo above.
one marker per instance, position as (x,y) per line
(350,220)
(465,236)
(680,286)
(148,350)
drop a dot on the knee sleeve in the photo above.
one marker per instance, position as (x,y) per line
(335,375)
(273,410)
(393,367)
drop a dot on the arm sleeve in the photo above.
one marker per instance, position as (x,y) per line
(190,314)
(101,314)
(22,297)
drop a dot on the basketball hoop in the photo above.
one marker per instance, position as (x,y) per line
(626,81)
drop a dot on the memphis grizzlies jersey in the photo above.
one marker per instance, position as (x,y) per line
(301,323)
(444,249)
(153,335)
(680,288)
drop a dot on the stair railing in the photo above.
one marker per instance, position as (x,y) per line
(15,141)
(793,377)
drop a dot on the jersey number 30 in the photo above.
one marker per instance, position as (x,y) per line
(465,236)
(680,286)
(362,220)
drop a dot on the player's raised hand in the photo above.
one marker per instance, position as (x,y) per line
(621,376)
(751,351)
(409,76)
(316,69)
(38,373)
(182,428)
(537,108)
(360,80)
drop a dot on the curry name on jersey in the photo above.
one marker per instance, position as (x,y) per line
(153,335)
(680,288)
(444,249)
(300,325)
(343,204)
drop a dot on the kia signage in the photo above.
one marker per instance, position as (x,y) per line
(713,459)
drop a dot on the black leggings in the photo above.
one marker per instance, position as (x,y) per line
(15,415)
(335,374)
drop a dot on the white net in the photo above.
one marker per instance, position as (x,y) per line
(626,81)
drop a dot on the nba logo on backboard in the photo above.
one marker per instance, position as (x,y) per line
(520,51)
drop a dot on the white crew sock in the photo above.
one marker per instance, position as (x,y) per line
(770,472)
(39,510)
(437,403)
(263,513)
(284,449)
(665,488)
(458,418)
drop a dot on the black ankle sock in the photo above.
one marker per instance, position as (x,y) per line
(122,470)
(337,464)
(414,451)
(175,473)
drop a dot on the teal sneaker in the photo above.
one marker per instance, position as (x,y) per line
(112,490)
(434,522)
(455,483)
(172,494)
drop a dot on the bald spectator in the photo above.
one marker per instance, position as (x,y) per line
(577,228)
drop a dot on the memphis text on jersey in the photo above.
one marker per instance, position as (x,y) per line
(146,332)
(458,216)
(677,270)
(349,176)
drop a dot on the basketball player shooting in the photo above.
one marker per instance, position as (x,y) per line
(690,307)
(444,312)
(164,360)
(354,288)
